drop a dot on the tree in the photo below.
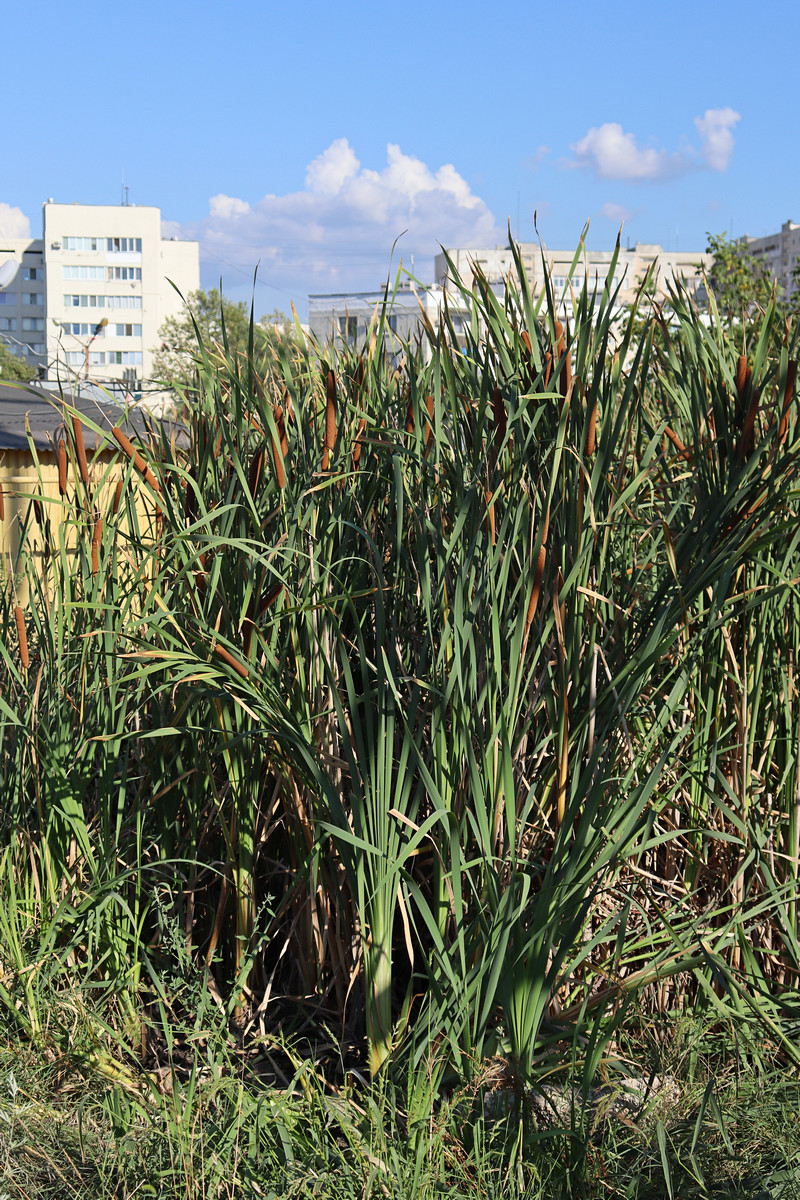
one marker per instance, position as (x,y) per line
(14,368)
(175,361)
(739,282)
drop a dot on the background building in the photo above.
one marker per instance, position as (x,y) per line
(88,297)
(779,253)
(345,317)
(632,265)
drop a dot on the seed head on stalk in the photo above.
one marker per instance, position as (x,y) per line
(97,537)
(357,448)
(330,420)
(280,449)
(127,445)
(62,467)
(80,451)
(254,474)
(499,414)
(22,637)
(788,392)
(566,370)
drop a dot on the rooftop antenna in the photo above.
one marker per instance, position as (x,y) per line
(125,201)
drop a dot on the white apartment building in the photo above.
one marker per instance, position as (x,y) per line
(632,265)
(89,296)
(345,317)
(779,253)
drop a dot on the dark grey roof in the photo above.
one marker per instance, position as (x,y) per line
(44,411)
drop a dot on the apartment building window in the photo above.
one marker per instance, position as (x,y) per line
(31,274)
(9,324)
(79,272)
(84,243)
(125,273)
(123,301)
(127,358)
(31,323)
(33,298)
(348,328)
(90,300)
(85,301)
(8,298)
(35,348)
(124,245)
(82,329)
(128,330)
(76,358)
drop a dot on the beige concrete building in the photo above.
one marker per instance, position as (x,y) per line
(88,297)
(631,267)
(779,253)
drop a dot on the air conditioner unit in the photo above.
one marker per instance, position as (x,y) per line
(55,245)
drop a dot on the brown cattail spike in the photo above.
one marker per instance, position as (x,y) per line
(330,420)
(97,532)
(563,353)
(591,438)
(281,424)
(127,445)
(254,474)
(678,444)
(499,414)
(410,417)
(22,637)
(788,392)
(117,496)
(748,440)
(357,448)
(743,373)
(429,434)
(80,450)
(62,467)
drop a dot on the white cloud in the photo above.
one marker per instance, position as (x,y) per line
(13,222)
(611,153)
(715,128)
(337,233)
(227,206)
(617,213)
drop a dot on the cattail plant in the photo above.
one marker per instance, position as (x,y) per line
(62,467)
(22,637)
(80,450)
(128,447)
(330,419)
(359,443)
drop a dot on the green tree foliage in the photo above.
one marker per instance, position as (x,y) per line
(13,368)
(215,318)
(740,283)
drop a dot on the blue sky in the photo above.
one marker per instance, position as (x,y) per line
(309,137)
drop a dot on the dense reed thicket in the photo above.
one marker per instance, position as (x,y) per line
(450,702)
